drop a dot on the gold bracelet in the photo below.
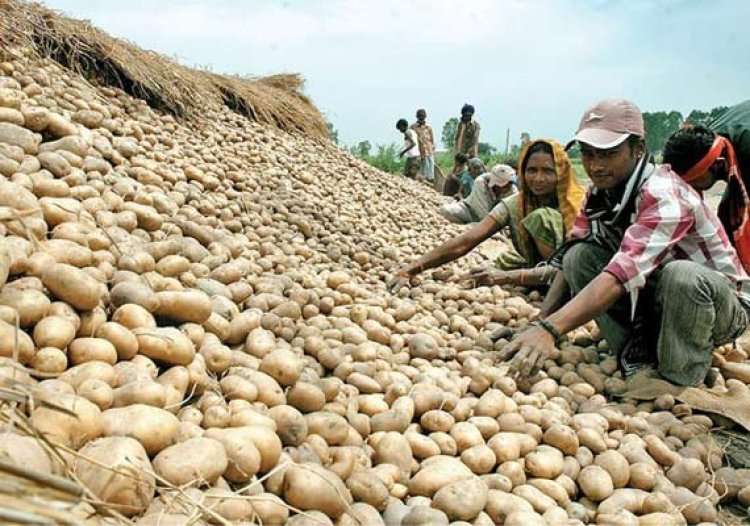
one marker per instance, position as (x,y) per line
(521,277)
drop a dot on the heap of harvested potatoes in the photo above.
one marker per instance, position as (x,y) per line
(207,299)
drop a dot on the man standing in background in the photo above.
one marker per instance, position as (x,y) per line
(467,133)
(426,146)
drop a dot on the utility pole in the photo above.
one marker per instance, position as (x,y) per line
(507,141)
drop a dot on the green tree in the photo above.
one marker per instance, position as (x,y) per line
(704,117)
(333,133)
(659,125)
(449,133)
(486,150)
(363,149)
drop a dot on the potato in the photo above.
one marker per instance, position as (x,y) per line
(291,425)
(72,285)
(134,292)
(123,340)
(393,448)
(687,472)
(333,428)
(15,343)
(82,350)
(25,451)
(144,391)
(153,427)
(166,345)
(545,462)
(31,305)
(312,487)
(71,430)
(54,331)
(462,500)
(242,454)
(194,462)
(596,483)
(437,472)
(49,360)
(480,459)
(129,489)
(616,465)
(283,366)
(96,391)
(366,487)
(500,505)
(184,306)
(563,438)
(133,316)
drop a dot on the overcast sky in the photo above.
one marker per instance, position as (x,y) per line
(527,65)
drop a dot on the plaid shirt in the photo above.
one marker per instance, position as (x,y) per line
(671,222)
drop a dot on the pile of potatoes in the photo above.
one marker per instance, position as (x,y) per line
(208,299)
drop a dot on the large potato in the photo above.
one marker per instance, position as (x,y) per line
(196,461)
(312,487)
(126,482)
(462,500)
(153,427)
(71,430)
(72,285)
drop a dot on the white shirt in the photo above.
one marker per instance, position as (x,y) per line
(414,150)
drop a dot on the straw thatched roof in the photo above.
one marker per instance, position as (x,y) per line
(159,80)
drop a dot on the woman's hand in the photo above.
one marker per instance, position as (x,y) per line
(489,275)
(398,281)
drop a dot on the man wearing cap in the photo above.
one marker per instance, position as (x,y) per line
(648,260)
(488,189)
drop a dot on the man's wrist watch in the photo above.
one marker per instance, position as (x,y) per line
(547,326)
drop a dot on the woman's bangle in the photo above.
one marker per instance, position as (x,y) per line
(521,277)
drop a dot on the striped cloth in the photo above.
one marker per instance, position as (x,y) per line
(671,223)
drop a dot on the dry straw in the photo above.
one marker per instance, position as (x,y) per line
(159,80)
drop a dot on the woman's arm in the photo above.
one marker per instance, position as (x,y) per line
(454,248)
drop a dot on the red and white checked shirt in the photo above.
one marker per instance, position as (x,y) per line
(671,222)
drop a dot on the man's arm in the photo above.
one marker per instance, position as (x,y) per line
(459,137)
(556,295)
(475,145)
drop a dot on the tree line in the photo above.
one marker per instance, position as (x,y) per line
(659,126)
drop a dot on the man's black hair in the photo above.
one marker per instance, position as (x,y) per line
(402,122)
(687,146)
(422,110)
(467,108)
(461,158)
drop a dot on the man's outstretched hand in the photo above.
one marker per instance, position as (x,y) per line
(528,350)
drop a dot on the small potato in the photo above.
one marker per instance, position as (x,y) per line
(82,350)
(96,391)
(124,341)
(49,360)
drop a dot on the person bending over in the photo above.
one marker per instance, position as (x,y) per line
(649,261)
(488,190)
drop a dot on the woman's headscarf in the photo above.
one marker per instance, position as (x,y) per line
(569,192)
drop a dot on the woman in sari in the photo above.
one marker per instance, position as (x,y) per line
(538,218)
